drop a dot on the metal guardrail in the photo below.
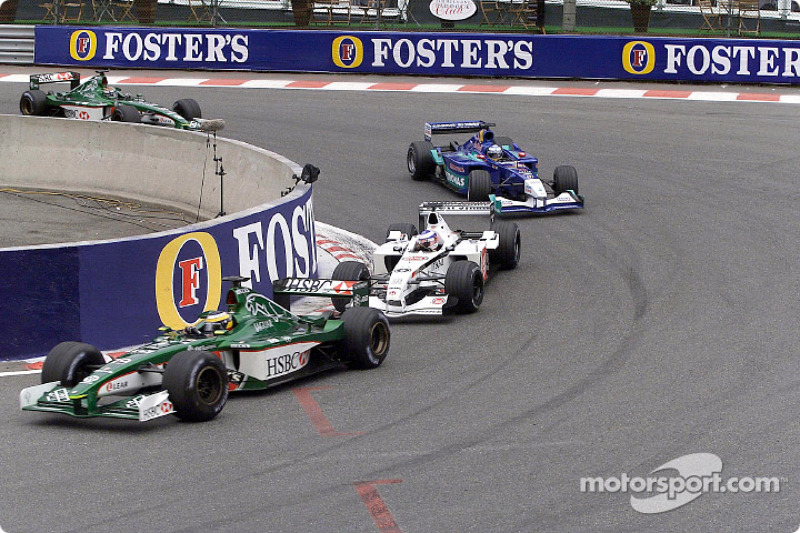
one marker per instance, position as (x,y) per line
(16,44)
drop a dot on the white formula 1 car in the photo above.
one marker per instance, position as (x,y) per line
(439,270)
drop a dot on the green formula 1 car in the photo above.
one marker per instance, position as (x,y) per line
(255,344)
(94,99)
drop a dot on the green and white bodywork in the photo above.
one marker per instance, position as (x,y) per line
(95,99)
(190,374)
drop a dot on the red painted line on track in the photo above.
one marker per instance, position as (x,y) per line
(35,366)
(142,81)
(575,91)
(338,249)
(376,507)
(308,84)
(666,94)
(758,97)
(389,86)
(227,82)
(484,88)
(314,412)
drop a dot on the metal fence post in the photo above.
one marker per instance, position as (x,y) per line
(568,15)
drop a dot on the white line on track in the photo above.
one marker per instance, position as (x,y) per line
(19,373)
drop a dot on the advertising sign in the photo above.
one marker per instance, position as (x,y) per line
(453,9)
(117,293)
(429,54)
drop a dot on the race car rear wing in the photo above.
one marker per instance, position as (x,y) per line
(469,126)
(426,209)
(74,79)
(284,289)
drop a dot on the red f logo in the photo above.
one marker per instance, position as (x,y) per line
(83,45)
(347,51)
(638,58)
(190,278)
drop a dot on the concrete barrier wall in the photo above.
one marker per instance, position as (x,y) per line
(159,165)
(117,292)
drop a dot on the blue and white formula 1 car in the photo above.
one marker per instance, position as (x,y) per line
(486,165)
(438,270)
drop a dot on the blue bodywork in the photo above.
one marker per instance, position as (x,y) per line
(455,162)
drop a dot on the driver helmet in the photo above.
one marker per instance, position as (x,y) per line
(429,240)
(216,321)
(494,152)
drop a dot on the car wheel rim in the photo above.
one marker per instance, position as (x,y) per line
(379,338)
(209,387)
(410,160)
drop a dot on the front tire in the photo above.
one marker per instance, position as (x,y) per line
(197,383)
(464,281)
(480,186)
(565,178)
(188,108)
(406,228)
(367,337)
(420,162)
(69,362)
(508,252)
(348,271)
(33,102)
(125,113)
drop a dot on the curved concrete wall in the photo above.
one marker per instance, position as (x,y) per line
(117,292)
(160,165)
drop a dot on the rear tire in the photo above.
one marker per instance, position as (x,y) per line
(33,102)
(367,337)
(125,113)
(480,186)
(197,383)
(69,362)
(406,228)
(420,162)
(504,141)
(188,108)
(508,253)
(565,178)
(348,271)
(464,281)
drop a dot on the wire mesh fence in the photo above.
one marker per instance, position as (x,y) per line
(778,18)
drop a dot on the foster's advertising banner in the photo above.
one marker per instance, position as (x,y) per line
(454,54)
(117,293)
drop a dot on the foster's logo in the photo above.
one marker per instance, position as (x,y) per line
(347,51)
(83,45)
(188,279)
(638,57)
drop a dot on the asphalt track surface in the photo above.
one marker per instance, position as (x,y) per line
(661,321)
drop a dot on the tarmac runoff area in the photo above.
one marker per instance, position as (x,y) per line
(29,218)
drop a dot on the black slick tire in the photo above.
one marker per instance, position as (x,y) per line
(125,113)
(420,162)
(504,142)
(348,271)
(464,281)
(508,252)
(33,102)
(197,383)
(69,362)
(565,178)
(480,186)
(406,228)
(367,337)
(188,108)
